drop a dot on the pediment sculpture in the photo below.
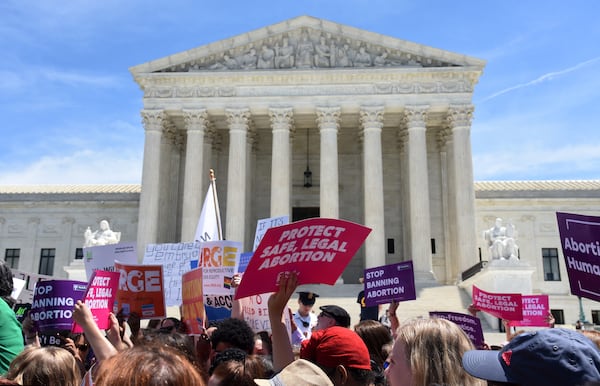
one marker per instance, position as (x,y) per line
(102,236)
(306,48)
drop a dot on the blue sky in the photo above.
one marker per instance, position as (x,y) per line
(70,108)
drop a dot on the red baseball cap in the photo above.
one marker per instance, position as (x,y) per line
(335,346)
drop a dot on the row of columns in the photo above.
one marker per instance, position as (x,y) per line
(460,186)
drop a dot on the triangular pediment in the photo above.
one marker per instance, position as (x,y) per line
(306,43)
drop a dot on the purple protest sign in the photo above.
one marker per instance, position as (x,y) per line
(53,302)
(387,283)
(471,325)
(580,240)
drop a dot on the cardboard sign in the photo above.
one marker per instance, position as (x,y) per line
(503,306)
(53,301)
(471,325)
(192,303)
(100,298)
(580,240)
(264,224)
(140,290)
(104,256)
(176,260)
(318,249)
(535,311)
(388,283)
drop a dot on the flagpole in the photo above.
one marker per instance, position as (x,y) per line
(216,202)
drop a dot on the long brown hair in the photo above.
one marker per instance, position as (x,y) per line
(148,365)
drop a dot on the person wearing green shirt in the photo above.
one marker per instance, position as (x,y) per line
(11,335)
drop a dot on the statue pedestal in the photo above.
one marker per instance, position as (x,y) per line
(76,270)
(501,276)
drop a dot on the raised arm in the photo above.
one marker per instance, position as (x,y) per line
(103,349)
(283,354)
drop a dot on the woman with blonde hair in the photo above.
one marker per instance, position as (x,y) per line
(45,366)
(429,352)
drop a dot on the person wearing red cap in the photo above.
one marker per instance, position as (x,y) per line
(337,350)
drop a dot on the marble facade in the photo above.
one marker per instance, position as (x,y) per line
(388,123)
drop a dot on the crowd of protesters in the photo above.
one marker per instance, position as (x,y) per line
(329,351)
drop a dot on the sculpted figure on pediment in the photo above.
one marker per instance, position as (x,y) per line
(266,58)
(341,56)
(323,53)
(284,55)
(228,63)
(363,58)
(248,60)
(381,60)
(304,52)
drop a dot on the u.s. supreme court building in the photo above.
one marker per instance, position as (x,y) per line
(309,118)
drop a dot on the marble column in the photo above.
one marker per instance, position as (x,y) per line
(238,121)
(443,142)
(281,124)
(328,121)
(153,121)
(169,201)
(463,196)
(418,187)
(196,122)
(371,119)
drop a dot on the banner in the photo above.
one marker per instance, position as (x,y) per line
(209,223)
(18,285)
(471,325)
(100,298)
(318,249)
(192,304)
(140,290)
(580,240)
(503,306)
(53,302)
(387,283)
(264,224)
(176,260)
(535,311)
(218,260)
(104,256)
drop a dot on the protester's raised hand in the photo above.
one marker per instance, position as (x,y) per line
(288,282)
(82,315)
(472,309)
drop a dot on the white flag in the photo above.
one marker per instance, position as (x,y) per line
(209,224)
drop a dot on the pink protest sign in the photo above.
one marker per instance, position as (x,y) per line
(100,297)
(501,305)
(535,311)
(318,249)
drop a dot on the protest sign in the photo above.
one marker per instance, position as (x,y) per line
(245,258)
(104,256)
(501,305)
(318,249)
(100,298)
(471,325)
(255,312)
(535,311)
(53,301)
(26,294)
(18,285)
(140,290)
(580,240)
(176,260)
(218,260)
(192,304)
(264,224)
(21,311)
(387,283)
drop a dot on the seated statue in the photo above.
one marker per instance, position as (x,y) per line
(102,236)
(501,241)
